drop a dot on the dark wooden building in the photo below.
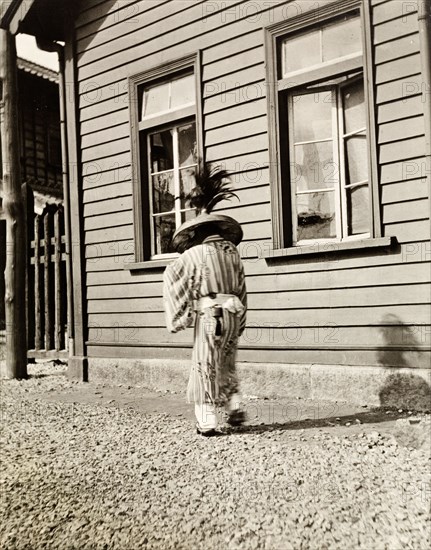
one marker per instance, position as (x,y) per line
(40,147)
(321,111)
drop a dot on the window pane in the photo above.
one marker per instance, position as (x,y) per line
(358,210)
(356,158)
(156,99)
(341,38)
(354,106)
(161,151)
(326,44)
(183,91)
(314,166)
(164,229)
(312,116)
(163,192)
(168,95)
(187,182)
(187,144)
(301,51)
(316,216)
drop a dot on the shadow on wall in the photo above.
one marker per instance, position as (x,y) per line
(116,12)
(402,389)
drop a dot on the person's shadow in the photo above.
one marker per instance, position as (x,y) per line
(401,348)
(404,389)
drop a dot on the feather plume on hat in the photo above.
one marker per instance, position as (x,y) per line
(212,187)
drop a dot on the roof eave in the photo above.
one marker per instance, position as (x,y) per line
(47,19)
(13,14)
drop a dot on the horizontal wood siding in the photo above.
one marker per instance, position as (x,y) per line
(400,131)
(353,305)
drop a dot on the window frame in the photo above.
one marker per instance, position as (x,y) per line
(142,206)
(281,202)
(338,141)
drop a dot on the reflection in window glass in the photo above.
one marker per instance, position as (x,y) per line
(163,192)
(312,116)
(173,164)
(164,231)
(316,216)
(187,144)
(314,163)
(162,155)
(339,163)
(187,182)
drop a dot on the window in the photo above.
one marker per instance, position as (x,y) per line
(329,164)
(165,145)
(172,166)
(321,129)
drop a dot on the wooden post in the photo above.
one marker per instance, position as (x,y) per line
(68,243)
(57,281)
(37,291)
(16,334)
(77,366)
(28,200)
(47,279)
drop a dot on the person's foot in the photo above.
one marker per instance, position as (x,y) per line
(236,418)
(206,433)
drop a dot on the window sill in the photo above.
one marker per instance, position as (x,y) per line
(151,264)
(328,248)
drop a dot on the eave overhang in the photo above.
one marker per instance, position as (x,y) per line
(47,19)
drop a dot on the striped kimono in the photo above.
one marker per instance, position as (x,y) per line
(213,267)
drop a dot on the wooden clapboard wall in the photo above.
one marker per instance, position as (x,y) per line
(357,308)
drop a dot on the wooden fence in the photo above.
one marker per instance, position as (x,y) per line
(46,291)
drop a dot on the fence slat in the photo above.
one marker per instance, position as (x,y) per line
(37,312)
(28,199)
(48,279)
(57,281)
(46,255)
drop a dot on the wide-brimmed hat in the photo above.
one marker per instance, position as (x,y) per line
(210,189)
(185,236)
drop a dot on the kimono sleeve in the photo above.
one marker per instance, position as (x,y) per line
(243,297)
(177,297)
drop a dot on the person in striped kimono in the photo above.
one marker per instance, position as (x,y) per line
(206,285)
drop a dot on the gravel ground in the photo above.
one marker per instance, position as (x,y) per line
(101,474)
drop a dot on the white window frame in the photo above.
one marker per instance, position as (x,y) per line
(278,88)
(340,187)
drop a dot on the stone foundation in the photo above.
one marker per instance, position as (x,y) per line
(364,385)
